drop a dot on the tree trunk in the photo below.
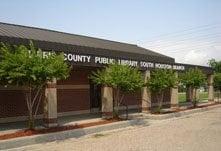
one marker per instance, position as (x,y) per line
(160,100)
(219,94)
(116,102)
(31,101)
(190,92)
(195,101)
(30,108)
(31,122)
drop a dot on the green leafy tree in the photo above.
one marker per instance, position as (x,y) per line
(194,79)
(216,65)
(159,82)
(26,67)
(122,78)
(217,81)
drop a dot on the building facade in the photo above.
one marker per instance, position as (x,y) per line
(77,94)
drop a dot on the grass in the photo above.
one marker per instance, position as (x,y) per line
(202,97)
(217,94)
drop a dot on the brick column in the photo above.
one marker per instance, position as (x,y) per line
(107,102)
(50,105)
(145,94)
(174,95)
(210,88)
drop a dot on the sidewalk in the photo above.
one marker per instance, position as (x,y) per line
(83,118)
(6,128)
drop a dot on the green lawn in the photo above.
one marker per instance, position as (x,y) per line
(203,96)
(217,94)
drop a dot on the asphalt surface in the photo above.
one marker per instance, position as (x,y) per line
(197,132)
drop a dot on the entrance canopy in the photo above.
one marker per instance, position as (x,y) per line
(89,51)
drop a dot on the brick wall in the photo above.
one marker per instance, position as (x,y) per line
(12,103)
(132,99)
(166,99)
(74,93)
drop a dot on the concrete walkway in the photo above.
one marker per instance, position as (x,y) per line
(66,120)
(84,118)
(196,132)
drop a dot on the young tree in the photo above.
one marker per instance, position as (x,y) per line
(122,78)
(160,81)
(193,78)
(217,81)
(26,66)
(216,65)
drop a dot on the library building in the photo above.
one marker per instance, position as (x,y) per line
(77,95)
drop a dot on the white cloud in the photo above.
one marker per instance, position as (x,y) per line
(195,57)
(188,51)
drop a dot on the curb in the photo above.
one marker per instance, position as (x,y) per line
(179,114)
(43,138)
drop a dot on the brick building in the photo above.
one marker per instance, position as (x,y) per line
(77,94)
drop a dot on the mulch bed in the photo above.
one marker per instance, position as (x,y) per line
(28,132)
(188,108)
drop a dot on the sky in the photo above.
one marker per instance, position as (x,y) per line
(187,30)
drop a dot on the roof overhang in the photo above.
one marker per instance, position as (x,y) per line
(95,57)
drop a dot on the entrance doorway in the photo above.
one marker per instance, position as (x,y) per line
(95,97)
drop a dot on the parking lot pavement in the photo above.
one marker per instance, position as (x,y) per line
(196,132)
